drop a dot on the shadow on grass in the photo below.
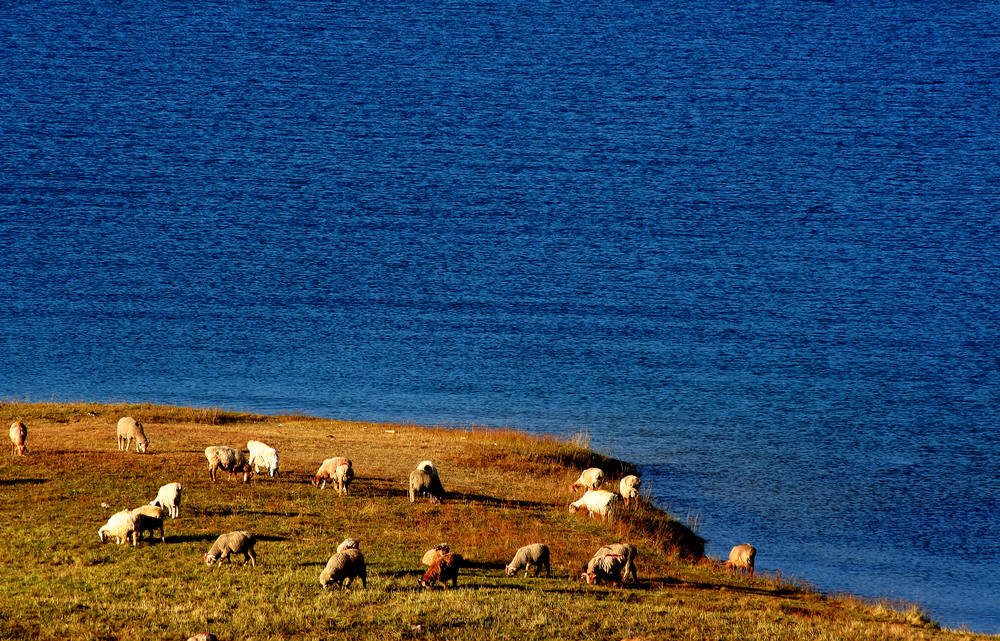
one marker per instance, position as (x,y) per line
(23,481)
(192,538)
(493,501)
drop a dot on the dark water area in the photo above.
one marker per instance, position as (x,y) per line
(752,248)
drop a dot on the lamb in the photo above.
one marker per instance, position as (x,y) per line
(239,542)
(148,518)
(225,458)
(18,438)
(338,469)
(613,563)
(425,480)
(130,429)
(591,478)
(628,487)
(536,554)
(435,553)
(263,457)
(349,544)
(741,559)
(443,570)
(345,565)
(121,527)
(169,498)
(600,502)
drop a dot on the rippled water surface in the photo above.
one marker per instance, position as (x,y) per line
(753,248)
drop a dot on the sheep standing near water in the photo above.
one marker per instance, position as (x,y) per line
(614,563)
(345,566)
(231,460)
(18,438)
(536,554)
(741,559)
(338,469)
(596,502)
(239,542)
(130,429)
(169,498)
(263,457)
(628,487)
(591,478)
(425,480)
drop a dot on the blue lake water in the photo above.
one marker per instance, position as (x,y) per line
(752,248)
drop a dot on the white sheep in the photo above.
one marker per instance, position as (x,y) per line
(591,478)
(435,553)
(148,518)
(121,527)
(628,487)
(338,469)
(536,554)
(18,438)
(345,566)
(231,460)
(239,542)
(130,429)
(596,502)
(741,559)
(349,544)
(263,457)
(613,563)
(203,636)
(425,480)
(169,498)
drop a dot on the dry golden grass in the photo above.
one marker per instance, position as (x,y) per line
(505,490)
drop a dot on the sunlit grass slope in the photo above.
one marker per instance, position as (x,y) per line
(505,489)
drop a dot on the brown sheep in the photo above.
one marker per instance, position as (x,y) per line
(18,438)
(443,570)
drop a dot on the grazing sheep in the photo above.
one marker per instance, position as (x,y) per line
(600,502)
(338,469)
(169,498)
(536,554)
(18,438)
(130,429)
(591,478)
(425,480)
(204,636)
(628,487)
(346,565)
(263,458)
(349,544)
(443,570)
(613,564)
(149,518)
(435,553)
(121,527)
(741,559)
(225,458)
(239,542)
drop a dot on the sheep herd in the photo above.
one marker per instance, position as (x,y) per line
(612,564)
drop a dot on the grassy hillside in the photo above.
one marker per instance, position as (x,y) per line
(505,489)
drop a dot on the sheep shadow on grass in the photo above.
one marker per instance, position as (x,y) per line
(4,482)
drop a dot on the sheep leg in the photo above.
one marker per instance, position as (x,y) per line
(249,554)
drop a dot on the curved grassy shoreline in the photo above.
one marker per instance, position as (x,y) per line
(505,489)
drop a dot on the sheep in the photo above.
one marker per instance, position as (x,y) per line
(443,570)
(628,487)
(591,478)
(338,469)
(600,502)
(204,636)
(263,458)
(613,563)
(536,554)
(239,542)
(169,498)
(435,553)
(349,544)
(345,565)
(130,429)
(741,559)
(121,527)
(225,458)
(425,480)
(18,438)
(148,518)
